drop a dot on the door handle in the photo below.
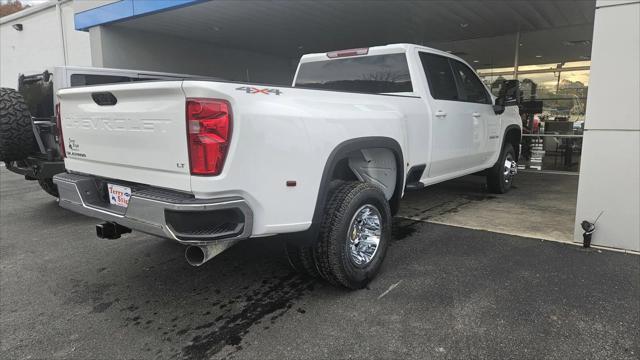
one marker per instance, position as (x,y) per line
(476,114)
(440,113)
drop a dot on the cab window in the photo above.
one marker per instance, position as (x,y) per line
(470,88)
(375,74)
(439,76)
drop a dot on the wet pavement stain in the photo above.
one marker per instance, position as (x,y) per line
(478,197)
(271,300)
(407,225)
(101,307)
(403,228)
(84,292)
(448,207)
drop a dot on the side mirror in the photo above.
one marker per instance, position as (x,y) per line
(509,94)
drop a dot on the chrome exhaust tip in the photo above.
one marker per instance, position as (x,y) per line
(197,255)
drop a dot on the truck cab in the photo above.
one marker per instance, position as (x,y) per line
(460,130)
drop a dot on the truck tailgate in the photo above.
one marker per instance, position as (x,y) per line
(141,138)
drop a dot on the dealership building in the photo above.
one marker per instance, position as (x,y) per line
(578,62)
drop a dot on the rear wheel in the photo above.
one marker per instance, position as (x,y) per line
(49,187)
(354,235)
(500,176)
(301,259)
(16,132)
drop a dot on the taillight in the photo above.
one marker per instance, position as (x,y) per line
(209,135)
(63,152)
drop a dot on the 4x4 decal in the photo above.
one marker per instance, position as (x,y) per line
(255,90)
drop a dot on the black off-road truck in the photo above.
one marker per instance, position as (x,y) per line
(29,138)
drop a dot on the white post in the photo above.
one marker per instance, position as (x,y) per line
(610,164)
(62,38)
(517,54)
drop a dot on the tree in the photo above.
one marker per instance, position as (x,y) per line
(10,7)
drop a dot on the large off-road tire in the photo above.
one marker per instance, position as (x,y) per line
(16,132)
(49,187)
(354,235)
(301,259)
(500,176)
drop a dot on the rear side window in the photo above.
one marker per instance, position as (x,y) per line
(374,74)
(87,79)
(471,88)
(442,84)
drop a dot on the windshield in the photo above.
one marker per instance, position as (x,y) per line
(376,74)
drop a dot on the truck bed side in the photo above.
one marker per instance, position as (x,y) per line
(279,135)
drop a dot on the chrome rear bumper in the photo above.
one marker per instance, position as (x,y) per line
(159,212)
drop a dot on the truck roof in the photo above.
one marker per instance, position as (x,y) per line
(380,50)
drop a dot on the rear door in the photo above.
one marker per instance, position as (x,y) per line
(452,127)
(130,132)
(478,110)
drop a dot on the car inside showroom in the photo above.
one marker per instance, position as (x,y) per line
(285,148)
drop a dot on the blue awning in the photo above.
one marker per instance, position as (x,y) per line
(125,9)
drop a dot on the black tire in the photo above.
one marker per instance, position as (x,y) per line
(16,132)
(49,187)
(301,259)
(331,251)
(497,181)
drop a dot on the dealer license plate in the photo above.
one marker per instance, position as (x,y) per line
(119,195)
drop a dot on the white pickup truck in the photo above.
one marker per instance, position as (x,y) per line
(325,161)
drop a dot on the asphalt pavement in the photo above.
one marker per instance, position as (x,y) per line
(443,293)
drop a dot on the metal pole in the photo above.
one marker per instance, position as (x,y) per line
(62,39)
(559,68)
(517,54)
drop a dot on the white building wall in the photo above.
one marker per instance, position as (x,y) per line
(610,170)
(39,45)
(124,48)
(77,42)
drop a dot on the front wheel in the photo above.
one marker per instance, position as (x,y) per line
(500,176)
(354,235)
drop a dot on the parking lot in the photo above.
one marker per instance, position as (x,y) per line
(444,292)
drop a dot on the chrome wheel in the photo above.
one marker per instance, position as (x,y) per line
(364,235)
(510,168)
